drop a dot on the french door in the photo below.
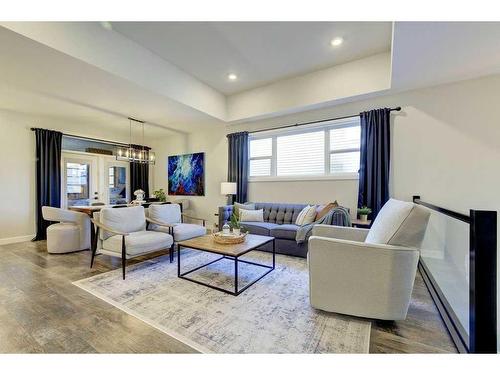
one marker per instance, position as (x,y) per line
(93,179)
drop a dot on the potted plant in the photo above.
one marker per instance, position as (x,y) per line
(363,213)
(160,195)
(235,224)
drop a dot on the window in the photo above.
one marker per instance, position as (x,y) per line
(329,150)
(261,151)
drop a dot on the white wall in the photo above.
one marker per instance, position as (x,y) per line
(17,172)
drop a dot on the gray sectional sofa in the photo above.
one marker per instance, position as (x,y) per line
(279,222)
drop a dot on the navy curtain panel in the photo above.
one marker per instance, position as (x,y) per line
(48,176)
(139,178)
(374,159)
(238,163)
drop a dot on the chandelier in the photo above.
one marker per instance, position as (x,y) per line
(135,153)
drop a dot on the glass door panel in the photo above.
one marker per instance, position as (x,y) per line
(117,182)
(79,180)
(78,184)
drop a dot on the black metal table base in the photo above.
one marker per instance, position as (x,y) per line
(236,260)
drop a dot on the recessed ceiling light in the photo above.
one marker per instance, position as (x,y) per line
(335,42)
(232,77)
(106,25)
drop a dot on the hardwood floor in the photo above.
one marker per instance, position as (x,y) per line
(42,312)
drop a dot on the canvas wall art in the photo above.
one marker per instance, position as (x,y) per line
(186,174)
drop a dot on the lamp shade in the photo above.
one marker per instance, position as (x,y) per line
(228,188)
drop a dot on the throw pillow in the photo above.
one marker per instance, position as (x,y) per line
(323,209)
(246,206)
(306,216)
(251,215)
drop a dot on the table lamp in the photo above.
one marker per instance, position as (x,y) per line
(229,189)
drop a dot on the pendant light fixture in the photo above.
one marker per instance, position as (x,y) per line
(135,153)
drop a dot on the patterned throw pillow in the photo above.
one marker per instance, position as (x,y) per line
(323,209)
(306,216)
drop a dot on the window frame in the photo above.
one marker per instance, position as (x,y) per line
(326,175)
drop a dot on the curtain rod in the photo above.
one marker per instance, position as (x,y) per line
(314,122)
(91,139)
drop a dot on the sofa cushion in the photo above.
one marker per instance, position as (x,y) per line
(280,213)
(399,223)
(127,219)
(258,228)
(138,243)
(251,215)
(285,231)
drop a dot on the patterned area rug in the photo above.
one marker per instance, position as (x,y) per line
(272,316)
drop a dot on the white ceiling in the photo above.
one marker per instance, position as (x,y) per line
(42,81)
(431,53)
(258,52)
(47,70)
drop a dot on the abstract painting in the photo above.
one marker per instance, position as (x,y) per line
(186,174)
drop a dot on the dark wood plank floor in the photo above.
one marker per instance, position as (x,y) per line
(42,312)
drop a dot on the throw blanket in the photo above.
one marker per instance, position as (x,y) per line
(337,216)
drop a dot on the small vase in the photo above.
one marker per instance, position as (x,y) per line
(236,231)
(363,217)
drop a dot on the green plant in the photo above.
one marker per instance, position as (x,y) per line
(235,222)
(364,210)
(160,195)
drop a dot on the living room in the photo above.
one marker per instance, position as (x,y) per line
(260,187)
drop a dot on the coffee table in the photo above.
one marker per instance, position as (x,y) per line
(232,252)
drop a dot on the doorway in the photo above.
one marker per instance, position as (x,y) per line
(90,179)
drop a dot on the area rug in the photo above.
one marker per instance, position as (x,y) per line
(272,316)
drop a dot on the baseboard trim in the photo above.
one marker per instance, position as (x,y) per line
(9,240)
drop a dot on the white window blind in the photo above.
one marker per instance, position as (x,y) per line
(301,154)
(261,148)
(326,150)
(344,138)
(344,149)
(261,151)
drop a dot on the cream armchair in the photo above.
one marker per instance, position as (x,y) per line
(169,218)
(368,273)
(71,233)
(122,233)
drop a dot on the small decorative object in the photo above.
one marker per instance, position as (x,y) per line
(235,224)
(226,229)
(139,197)
(228,189)
(160,195)
(186,174)
(229,240)
(363,213)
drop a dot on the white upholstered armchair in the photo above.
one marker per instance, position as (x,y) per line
(368,273)
(169,218)
(71,233)
(122,233)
